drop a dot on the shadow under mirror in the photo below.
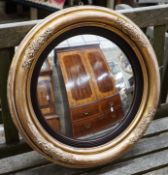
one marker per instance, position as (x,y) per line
(85,87)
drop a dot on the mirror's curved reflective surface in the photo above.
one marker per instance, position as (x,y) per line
(85,87)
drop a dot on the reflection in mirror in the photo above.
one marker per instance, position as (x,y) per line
(85,87)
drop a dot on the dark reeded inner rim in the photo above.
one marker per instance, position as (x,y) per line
(138,89)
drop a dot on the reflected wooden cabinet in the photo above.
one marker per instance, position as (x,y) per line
(46,98)
(93,100)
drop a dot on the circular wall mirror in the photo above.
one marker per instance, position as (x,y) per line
(83,91)
(83,86)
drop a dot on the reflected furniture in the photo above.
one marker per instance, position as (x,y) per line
(46,98)
(93,100)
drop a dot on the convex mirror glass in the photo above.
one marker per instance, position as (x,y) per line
(85,87)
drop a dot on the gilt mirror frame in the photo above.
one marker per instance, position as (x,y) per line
(24,63)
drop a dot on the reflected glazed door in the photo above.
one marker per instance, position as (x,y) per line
(98,67)
(78,80)
(93,100)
